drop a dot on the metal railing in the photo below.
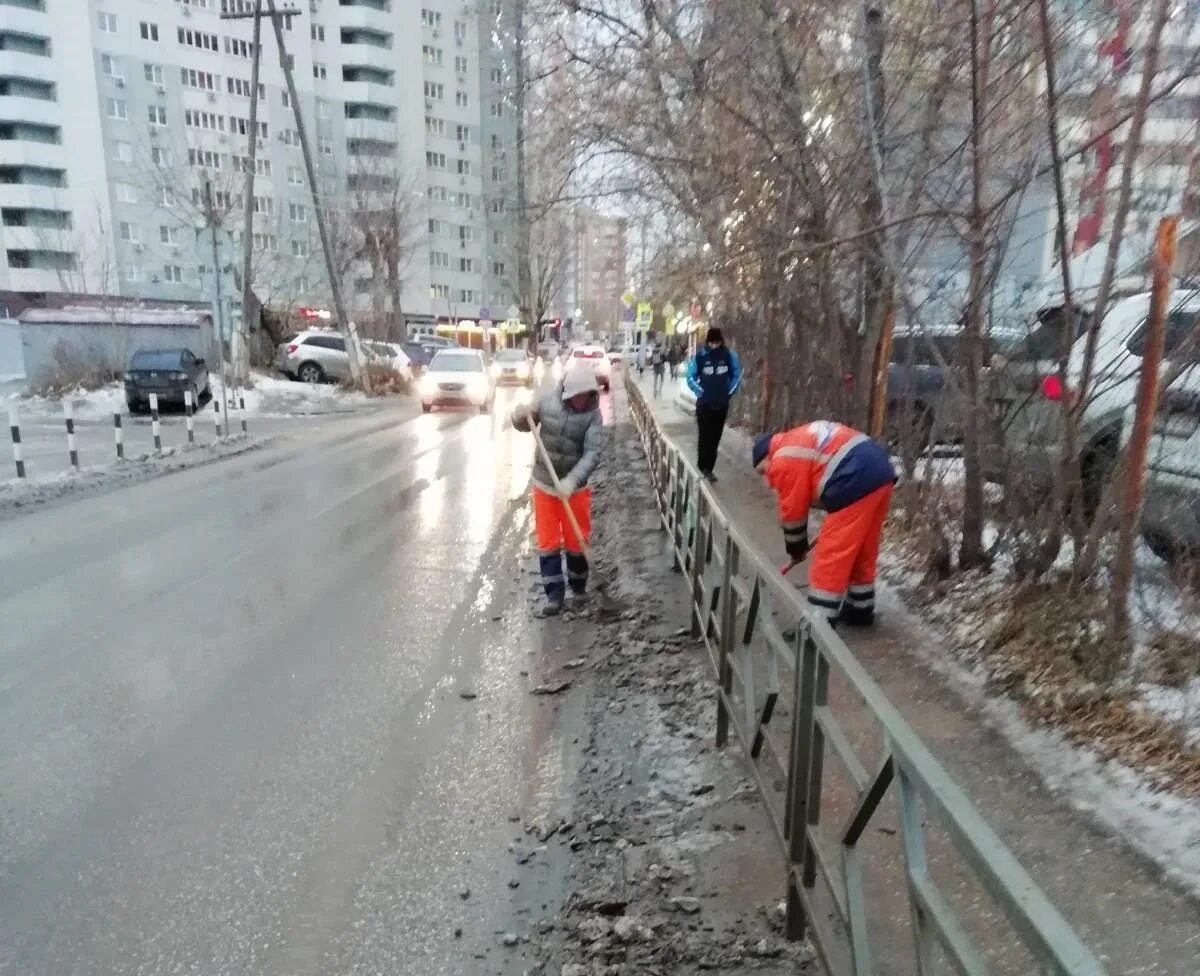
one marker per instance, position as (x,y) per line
(771,657)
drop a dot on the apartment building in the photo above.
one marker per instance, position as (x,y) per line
(119,136)
(594,275)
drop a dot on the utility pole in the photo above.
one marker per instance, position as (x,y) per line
(210,219)
(241,358)
(357,374)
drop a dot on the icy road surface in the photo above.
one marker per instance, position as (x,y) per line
(232,735)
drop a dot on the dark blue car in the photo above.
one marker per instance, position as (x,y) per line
(170,373)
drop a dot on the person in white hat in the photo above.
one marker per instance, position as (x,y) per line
(569,423)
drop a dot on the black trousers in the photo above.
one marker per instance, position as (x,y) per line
(710,424)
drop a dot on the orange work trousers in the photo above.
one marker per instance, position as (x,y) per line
(841,575)
(551,525)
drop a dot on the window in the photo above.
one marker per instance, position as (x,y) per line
(267,242)
(106,22)
(168,235)
(497,110)
(239,86)
(496,76)
(435,227)
(160,156)
(495,142)
(116,108)
(1181,327)
(204,80)
(326,146)
(163,196)
(172,273)
(153,73)
(436,160)
(122,152)
(236,46)
(465,233)
(264,206)
(289,137)
(131,274)
(157,115)
(460,64)
(468,296)
(464,167)
(462,133)
(460,31)
(439,259)
(320,70)
(294,176)
(322,109)
(126,193)
(111,66)
(498,237)
(128,232)
(195,38)
(496,206)
(436,194)
(148,31)
(299,249)
(498,268)
(432,55)
(297,213)
(203,120)
(435,127)
(498,174)
(434,90)
(466,264)
(430,18)
(439,291)
(460,99)
(240,126)
(204,158)
(317,32)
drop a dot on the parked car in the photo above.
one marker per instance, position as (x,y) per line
(170,373)
(314,356)
(925,395)
(1027,393)
(595,357)
(456,377)
(390,354)
(512,367)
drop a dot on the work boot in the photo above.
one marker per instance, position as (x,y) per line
(710,477)
(551,608)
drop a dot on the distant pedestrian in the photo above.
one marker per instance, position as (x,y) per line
(658,363)
(714,375)
(828,465)
(641,360)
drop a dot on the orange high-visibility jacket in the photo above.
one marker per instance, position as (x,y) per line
(823,464)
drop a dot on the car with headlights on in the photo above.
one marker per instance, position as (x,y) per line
(511,367)
(456,377)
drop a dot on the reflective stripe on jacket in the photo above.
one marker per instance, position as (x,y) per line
(823,464)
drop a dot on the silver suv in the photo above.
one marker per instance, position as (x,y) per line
(315,356)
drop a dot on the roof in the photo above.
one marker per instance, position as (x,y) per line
(99,316)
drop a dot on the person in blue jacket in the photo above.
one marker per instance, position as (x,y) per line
(714,375)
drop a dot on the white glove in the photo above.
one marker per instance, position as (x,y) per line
(567,487)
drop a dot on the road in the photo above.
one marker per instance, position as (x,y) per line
(231,732)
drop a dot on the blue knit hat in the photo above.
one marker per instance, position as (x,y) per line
(762,445)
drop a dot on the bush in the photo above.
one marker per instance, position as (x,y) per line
(385,381)
(78,367)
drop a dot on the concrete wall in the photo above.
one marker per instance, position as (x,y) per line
(68,352)
(12,363)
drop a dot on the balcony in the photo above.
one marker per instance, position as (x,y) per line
(29,196)
(368,93)
(371,129)
(20,65)
(19,20)
(29,279)
(369,74)
(18,108)
(367,35)
(41,155)
(37,239)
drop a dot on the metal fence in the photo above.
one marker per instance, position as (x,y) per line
(773,661)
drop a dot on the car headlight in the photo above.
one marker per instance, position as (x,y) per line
(495,369)
(428,385)
(478,382)
(129,377)
(523,369)
(179,376)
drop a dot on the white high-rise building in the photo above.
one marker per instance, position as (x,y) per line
(113,129)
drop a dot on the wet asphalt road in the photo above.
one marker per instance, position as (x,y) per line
(231,735)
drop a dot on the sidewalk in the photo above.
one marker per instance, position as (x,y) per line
(1119,902)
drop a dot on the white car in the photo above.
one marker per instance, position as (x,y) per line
(456,377)
(595,357)
(390,354)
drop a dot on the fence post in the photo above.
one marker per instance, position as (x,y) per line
(242,411)
(699,548)
(728,620)
(189,409)
(154,425)
(69,417)
(14,429)
(217,416)
(118,435)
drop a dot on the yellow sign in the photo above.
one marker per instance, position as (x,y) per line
(628,299)
(645,315)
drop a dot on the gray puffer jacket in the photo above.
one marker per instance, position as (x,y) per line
(573,440)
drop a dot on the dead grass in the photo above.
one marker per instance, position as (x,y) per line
(1044,647)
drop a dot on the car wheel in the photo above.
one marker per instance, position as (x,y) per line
(1161,546)
(426,407)
(1095,466)
(311,373)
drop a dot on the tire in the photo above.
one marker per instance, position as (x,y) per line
(1095,465)
(310,372)
(426,407)
(1162,547)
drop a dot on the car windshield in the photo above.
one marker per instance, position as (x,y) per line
(156,359)
(588,354)
(510,356)
(456,362)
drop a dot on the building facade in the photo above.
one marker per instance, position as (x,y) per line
(594,274)
(125,139)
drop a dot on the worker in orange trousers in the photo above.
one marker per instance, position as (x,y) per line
(830,466)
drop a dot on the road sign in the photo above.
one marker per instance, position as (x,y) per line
(668,311)
(514,312)
(627,314)
(628,299)
(485,314)
(645,315)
